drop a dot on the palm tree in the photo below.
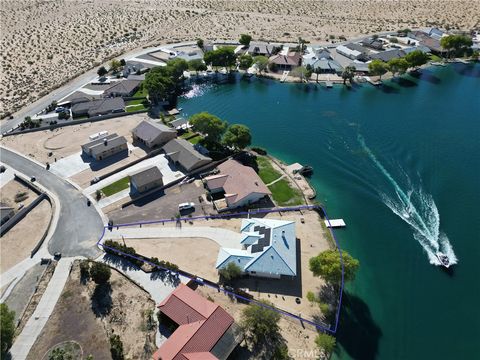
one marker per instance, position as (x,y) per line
(317,71)
(348,74)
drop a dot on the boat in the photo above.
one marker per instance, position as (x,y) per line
(444,260)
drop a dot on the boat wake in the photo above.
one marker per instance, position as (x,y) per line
(417,208)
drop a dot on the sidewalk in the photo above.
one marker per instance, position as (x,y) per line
(39,318)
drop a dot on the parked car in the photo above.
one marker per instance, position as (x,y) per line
(33,179)
(186,206)
(60,109)
(57,255)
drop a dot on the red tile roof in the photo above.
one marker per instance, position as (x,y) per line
(202,324)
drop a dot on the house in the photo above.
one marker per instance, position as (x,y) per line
(145,180)
(360,67)
(98,107)
(240,184)
(286,62)
(182,154)
(77,97)
(260,48)
(180,123)
(125,88)
(269,249)
(353,51)
(153,134)
(102,148)
(435,33)
(6,212)
(315,54)
(326,66)
(425,40)
(205,330)
(372,43)
(388,55)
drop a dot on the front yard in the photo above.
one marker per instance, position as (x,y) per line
(116,187)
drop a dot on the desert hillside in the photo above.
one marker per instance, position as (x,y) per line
(44,43)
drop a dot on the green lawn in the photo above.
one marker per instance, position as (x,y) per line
(195,140)
(136,102)
(435,58)
(116,187)
(266,171)
(136,108)
(141,92)
(284,195)
(187,134)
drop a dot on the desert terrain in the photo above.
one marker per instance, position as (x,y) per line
(45,43)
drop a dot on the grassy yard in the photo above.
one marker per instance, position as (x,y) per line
(116,187)
(284,195)
(266,171)
(195,140)
(435,58)
(191,137)
(141,92)
(136,102)
(136,108)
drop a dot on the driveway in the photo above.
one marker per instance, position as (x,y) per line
(79,226)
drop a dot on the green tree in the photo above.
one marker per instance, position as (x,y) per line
(237,136)
(84,269)
(115,65)
(245,61)
(222,57)
(209,125)
(261,62)
(328,266)
(116,348)
(102,71)
(60,354)
(245,39)
(261,324)
(200,43)
(230,272)
(325,342)
(176,67)
(416,58)
(301,72)
(347,74)
(317,72)
(398,66)
(377,67)
(100,273)
(456,44)
(7,328)
(165,82)
(197,65)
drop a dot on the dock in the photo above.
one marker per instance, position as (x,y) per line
(284,76)
(335,223)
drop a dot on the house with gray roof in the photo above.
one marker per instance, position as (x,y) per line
(145,180)
(372,43)
(388,55)
(125,88)
(181,153)
(353,51)
(268,248)
(153,134)
(102,148)
(98,107)
(260,48)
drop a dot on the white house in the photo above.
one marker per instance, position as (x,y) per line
(269,249)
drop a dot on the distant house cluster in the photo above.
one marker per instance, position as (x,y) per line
(269,249)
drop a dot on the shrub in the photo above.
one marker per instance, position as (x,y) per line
(111,246)
(98,194)
(100,273)
(20,196)
(259,150)
(84,269)
(230,272)
(311,297)
(7,327)
(116,347)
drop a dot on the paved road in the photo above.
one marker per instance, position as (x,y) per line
(79,226)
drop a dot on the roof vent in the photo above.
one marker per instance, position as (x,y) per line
(105,142)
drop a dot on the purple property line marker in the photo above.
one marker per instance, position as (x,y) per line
(295,208)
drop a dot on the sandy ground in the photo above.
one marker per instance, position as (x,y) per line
(43,44)
(295,335)
(73,319)
(68,140)
(19,241)
(13,187)
(202,255)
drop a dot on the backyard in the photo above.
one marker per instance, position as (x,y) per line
(116,187)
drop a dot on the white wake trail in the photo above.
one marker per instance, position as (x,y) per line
(417,209)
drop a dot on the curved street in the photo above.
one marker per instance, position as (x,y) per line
(79,226)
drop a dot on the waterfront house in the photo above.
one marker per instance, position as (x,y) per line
(388,55)
(145,180)
(104,147)
(98,107)
(269,249)
(352,51)
(240,185)
(260,48)
(153,134)
(181,153)
(425,40)
(326,66)
(286,62)
(125,88)
(205,330)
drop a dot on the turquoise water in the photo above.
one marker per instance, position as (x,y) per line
(401,165)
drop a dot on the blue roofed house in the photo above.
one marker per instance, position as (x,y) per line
(269,249)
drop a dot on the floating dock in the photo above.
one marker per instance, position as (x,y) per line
(284,76)
(335,223)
